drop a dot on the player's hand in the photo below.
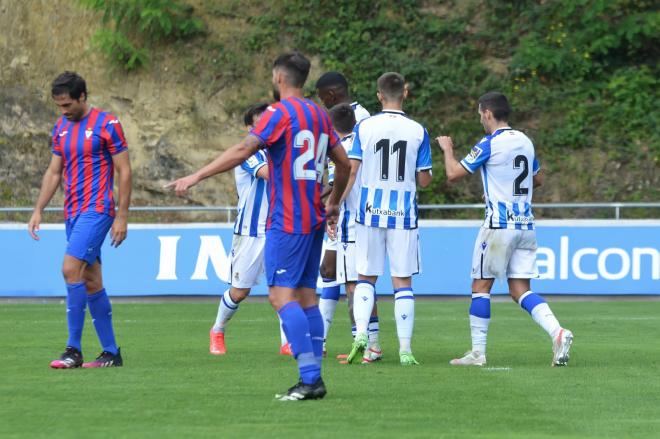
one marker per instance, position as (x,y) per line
(33,225)
(331,217)
(445,142)
(118,231)
(181,185)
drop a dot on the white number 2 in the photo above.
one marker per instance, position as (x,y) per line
(305,139)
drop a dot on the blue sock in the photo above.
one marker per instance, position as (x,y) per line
(315,321)
(76,301)
(529,301)
(296,328)
(480,305)
(330,292)
(101,311)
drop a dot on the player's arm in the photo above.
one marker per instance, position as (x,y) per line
(424,178)
(229,159)
(538,180)
(119,228)
(263,172)
(453,168)
(49,185)
(342,170)
(352,176)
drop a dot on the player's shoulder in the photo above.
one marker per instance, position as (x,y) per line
(108,118)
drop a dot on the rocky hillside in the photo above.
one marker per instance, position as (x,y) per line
(172,125)
(582,76)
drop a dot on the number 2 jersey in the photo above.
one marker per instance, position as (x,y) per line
(392,148)
(508,164)
(297,133)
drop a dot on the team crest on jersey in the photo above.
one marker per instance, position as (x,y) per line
(474,154)
(88,134)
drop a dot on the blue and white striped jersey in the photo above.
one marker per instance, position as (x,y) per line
(348,210)
(508,165)
(252,197)
(392,148)
(360,114)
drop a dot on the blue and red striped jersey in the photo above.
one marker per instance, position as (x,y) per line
(297,133)
(86,147)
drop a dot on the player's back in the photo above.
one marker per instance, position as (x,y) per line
(252,197)
(297,133)
(508,175)
(393,148)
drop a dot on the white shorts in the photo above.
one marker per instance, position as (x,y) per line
(504,254)
(247,260)
(400,246)
(346,263)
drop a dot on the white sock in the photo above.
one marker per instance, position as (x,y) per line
(479,332)
(226,310)
(404,313)
(363,304)
(327,308)
(373,335)
(283,339)
(541,313)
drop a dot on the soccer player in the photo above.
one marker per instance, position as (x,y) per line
(247,254)
(394,155)
(343,120)
(87,145)
(332,89)
(297,133)
(506,244)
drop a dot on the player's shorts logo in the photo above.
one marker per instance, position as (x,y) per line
(280,271)
(483,245)
(236,276)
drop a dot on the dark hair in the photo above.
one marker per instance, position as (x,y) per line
(252,112)
(296,67)
(497,103)
(342,117)
(69,83)
(391,85)
(332,80)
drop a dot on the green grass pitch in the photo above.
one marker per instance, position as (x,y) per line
(171,387)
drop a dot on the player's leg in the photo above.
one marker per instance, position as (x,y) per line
(91,229)
(370,259)
(76,304)
(100,309)
(522,267)
(403,253)
(330,289)
(291,269)
(246,267)
(484,263)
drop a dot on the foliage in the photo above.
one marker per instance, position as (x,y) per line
(581,75)
(133,26)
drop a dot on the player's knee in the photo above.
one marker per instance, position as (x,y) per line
(93,285)
(71,271)
(239,294)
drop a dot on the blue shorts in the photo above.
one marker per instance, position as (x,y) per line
(85,234)
(292,260)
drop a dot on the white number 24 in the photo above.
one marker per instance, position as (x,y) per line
(305,139)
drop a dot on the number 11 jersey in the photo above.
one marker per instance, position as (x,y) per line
(392,148)
(508,165)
